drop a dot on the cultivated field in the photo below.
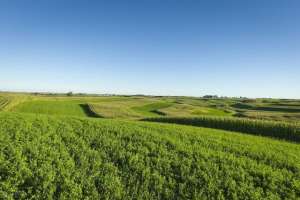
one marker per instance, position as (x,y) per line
(138,107)
(60,147)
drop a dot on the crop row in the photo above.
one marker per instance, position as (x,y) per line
(281,130)
(4,101)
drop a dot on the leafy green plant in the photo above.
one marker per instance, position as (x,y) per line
(43,157)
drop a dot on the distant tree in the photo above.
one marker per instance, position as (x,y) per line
(210,96)
(69,94)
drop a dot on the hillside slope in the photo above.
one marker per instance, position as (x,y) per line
(74,158)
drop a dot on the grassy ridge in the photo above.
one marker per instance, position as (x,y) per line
(121,109)
(281,110)
(68,158)
(282,130)
(152,109)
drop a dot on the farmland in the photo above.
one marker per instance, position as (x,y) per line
(119,147)
(149,100)
(282,130)
(4,101)
(75,158)
(138,107)
(51,107)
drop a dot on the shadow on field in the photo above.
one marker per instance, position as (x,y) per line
(278,109)
(286,104)
(267,108)
(158,112)
(87,110)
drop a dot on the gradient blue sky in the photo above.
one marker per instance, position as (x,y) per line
(161,47)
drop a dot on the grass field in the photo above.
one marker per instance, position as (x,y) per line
(59,147)
(153,109)
(131,107)
(144,107)
(68,158)
(283,110)
(53,107)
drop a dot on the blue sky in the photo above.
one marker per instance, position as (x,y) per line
(161,47)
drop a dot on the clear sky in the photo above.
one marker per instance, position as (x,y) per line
(161,47)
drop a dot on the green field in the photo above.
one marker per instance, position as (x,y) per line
(274,129)
(129,108)
(280,110)
(135,107)
(53,107)
(68,158)
(62,147)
